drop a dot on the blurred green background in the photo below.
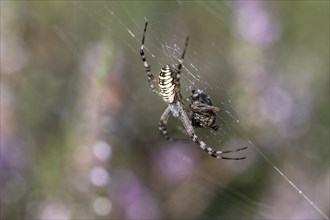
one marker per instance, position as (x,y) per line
(79,136)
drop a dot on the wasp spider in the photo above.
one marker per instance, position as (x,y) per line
(201,110)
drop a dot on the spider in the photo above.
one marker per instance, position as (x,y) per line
(202,111)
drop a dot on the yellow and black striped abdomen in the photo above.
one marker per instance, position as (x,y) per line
(166,84)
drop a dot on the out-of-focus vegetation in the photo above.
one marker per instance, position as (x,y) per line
(79,136)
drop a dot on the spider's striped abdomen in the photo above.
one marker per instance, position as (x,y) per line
(166,84)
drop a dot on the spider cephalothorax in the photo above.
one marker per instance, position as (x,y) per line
(201,108)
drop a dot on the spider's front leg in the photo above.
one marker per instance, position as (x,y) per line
(191,132)
(163,122)
(151,79)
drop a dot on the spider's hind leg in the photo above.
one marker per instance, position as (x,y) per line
(215,127)
(210,151)
(163,122)
(216,154)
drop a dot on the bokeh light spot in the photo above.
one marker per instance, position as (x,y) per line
(102,150)
(102,206)
(99,176)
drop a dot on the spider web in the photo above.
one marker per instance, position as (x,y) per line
(271,182)
(208,66)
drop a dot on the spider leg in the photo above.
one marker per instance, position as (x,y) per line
(204,107)
(163,122)
(191,132)
(231,151)
(182,58)
(191,97)
(177,73)
(151,78)
(215,127)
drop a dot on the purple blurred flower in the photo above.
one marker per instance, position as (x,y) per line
(13,156)
(53,210)
(276,104)
(255,24)
(174,163)
(135,199)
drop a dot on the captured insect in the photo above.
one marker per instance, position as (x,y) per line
(201,111)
